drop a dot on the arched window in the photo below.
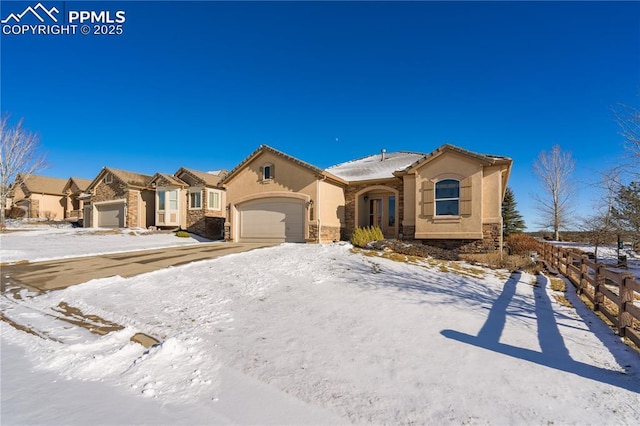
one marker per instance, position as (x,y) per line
(267,172)
(448,197)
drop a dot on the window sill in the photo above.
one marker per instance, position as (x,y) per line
(447,219)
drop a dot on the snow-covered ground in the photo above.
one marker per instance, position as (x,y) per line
(317,334)
(608,254)
(43,242)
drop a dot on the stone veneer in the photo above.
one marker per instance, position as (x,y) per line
(207,223)
(328,234)
(133,205)
(208,227)
(34,209)
(113,191)
(491,241)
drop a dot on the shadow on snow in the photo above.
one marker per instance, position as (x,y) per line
(554,354)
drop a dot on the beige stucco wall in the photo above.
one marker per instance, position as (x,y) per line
(49,203)
(450,165)
(148,208)
(288,177)
(492,194)
(409,182)
(331,204)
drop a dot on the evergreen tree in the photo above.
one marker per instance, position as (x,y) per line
(512,221)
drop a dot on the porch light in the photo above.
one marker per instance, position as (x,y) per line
(228,207)
(366,198)
(310,203)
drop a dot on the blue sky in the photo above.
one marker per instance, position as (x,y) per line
(203,84)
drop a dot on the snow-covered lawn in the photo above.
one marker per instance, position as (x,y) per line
(43,242)
(317,334)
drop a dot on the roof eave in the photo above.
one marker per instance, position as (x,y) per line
(266,148)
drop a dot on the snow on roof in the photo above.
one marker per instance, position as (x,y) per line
(373,167)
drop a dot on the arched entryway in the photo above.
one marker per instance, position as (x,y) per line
(378,206)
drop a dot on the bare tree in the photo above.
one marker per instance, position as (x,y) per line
(626,210)
(554,170)
(628,119)
(602,226)
(19,155)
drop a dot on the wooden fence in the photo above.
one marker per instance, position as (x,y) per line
(615,294)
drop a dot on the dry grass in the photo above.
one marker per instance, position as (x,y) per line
(19,262)
(445,266)
(501,261)
(558,284)
(105,232)
(563,300)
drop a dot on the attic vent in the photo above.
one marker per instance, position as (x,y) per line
(382,154)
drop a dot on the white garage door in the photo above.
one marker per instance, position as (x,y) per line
(110,215)
(271,220)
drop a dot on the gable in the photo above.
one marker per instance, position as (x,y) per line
(285,175)
(267,150)
(449,163)
(163,179)
(111,176)
(198,178)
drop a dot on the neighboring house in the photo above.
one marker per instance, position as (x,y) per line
(40,196)
(450,198)
(274,197)
(75,194)
(190,200)
(119,199)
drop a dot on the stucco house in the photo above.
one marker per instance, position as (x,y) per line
(191,200)
(119,199)
(39,196)
(274,197)
(450,197)
(75,193)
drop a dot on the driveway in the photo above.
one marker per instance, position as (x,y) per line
(61,273)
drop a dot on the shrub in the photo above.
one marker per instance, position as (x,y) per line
(521,244)
(362,236)
(15,213)
(183,234)
(49,215)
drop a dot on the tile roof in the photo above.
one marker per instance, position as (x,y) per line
(131,178)
(43,184)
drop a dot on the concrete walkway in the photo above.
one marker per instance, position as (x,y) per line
(61,273)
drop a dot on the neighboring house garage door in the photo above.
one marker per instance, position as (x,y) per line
(110,215)
(272,220)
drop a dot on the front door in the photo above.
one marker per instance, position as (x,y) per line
(375,212)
